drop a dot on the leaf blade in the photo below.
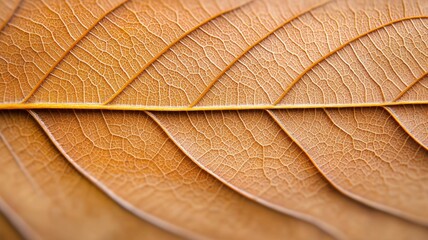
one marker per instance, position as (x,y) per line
(379,186)
(161,165)
(249,152)
(35,177)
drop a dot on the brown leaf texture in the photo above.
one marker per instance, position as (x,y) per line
(152,175)
(252,153)
(214,119)
(7,231)
(41,188)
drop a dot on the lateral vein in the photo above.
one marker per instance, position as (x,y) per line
(231,64)
(157,56)
(323,58)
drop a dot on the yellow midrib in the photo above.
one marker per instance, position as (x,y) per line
(98,106)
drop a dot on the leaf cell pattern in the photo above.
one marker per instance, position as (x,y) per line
(242,119)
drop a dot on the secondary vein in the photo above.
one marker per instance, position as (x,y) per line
(338,49)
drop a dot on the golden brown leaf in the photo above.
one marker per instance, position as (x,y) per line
(309,54)
(7,9)
(132,158)
(42,189)
(250,152)
(322,133)
(413,119)
(366,155)
(7,231)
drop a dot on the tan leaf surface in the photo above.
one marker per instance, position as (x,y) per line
(85,43)
(242,119)
(214,55)
(7,9)
(132,158)
(413,119)
(45,30)
(365,154)
(250,152)
(7,231)
(42,189)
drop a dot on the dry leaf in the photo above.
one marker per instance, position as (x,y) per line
(7,231)
(42,189)
(249,151)
(132,157)
(243,119)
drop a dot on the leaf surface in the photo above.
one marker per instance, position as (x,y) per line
(250,152)
(7,231)
(40,187)
(295,56)
(242,119)
(366,154)
(7,10)
(413,119)
(132,158)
